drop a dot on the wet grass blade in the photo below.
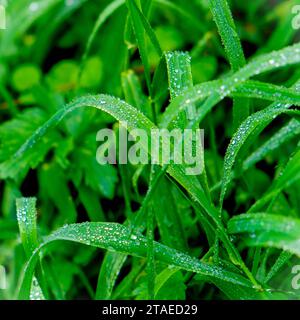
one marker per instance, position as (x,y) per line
(150,253)
(268,230)
(227,30)
(218,90)
(110,268)
(112,236)
(247,132)
(26,215)
(267,91)
(226,27)
(286,133)
(283,258)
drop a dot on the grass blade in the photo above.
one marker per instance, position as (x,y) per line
(222,88)
(227,30)
(248,131)
(269,230)
(112,236)
(140,27)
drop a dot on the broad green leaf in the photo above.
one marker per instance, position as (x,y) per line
(63,76)
(92,73)
(13,133)
(25,77)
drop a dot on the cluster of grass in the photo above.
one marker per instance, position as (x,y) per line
(71,67)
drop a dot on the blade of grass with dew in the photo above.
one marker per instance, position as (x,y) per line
(227,30)
(110,268)
(178,65)
(113,261)
(286,133)
(179,73)
(246,134)
(180,80)
(267,91)
(253,124)
(283,258)
(222,88)
(150,252)
(26,216)
(113,236)
(268,230)
(253,89)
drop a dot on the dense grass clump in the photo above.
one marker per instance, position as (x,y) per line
(71,228)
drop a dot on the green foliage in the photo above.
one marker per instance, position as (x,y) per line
(71,228)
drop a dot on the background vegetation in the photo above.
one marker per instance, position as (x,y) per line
(231,233)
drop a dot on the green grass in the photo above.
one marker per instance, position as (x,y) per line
(73,229)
